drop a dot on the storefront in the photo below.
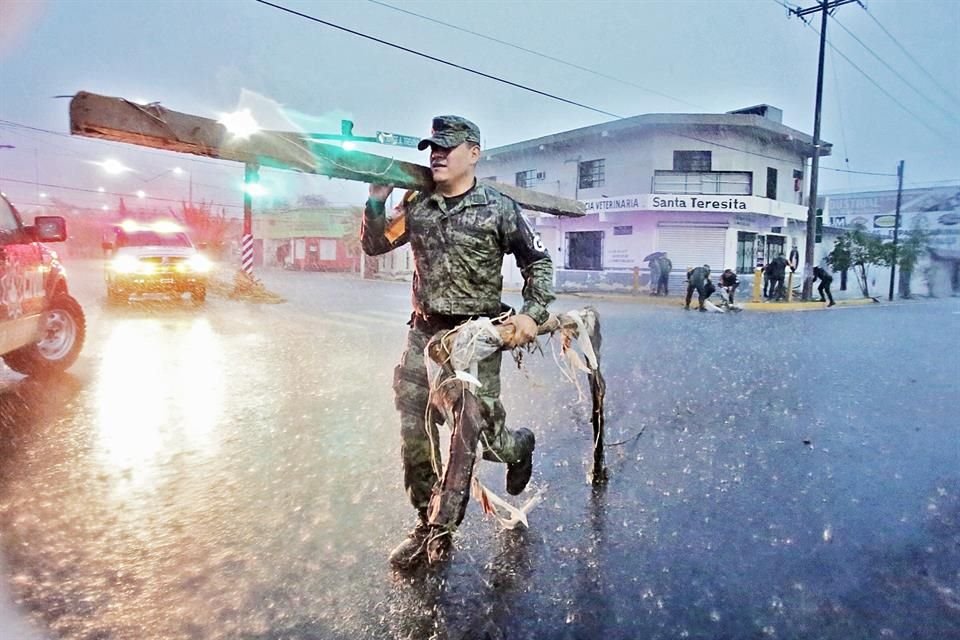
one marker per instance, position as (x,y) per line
(606,248)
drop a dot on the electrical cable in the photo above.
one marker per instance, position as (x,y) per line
(895,72)
(50,185)
(436,59)
(537,53)
(877,85)
(912,59)
(843,133)
(492,77)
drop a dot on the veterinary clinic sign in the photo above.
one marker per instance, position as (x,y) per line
(698,203)
(673,202)
(668,202)
(684,202)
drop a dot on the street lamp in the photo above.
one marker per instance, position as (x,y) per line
(113,167)
(240,123)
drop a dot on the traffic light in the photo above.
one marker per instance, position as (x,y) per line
(818,237)
(346,128)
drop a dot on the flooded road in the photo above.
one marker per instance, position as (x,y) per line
(233,471)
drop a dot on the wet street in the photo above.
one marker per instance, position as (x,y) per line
(233,471)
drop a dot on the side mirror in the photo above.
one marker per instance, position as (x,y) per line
(49,229)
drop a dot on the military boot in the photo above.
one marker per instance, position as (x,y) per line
(518,473)
(413,550)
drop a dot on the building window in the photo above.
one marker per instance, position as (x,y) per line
(526,179)
(746,242)
(692,160)
(798,185)
(771,183)
(775,247)
(592,173)
(584,250)
(728,183)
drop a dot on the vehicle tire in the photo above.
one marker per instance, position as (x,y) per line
(199,295)
(63,335)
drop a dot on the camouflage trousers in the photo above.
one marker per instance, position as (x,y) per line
(420,441)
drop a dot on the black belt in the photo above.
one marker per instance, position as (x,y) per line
(435,323)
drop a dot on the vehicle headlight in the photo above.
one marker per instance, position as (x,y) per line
(199,264)
(125,264)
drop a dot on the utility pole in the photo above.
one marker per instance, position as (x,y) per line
(251,176)
(824,7)
(896,227)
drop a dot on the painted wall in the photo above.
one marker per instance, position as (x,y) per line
(631,159)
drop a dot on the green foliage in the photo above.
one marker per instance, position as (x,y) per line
(857,249)
(910,250)
(205,225)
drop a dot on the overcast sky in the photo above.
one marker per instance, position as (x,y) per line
(707,56)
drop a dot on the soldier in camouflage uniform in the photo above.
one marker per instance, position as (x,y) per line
(459,234)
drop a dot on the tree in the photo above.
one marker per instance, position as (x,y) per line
(908,254)
(205,226)
(857,249)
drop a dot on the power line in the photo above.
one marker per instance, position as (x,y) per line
(877,85)
(435,59)
(863,173)
(894,71)
(50,185)
(491,77)
(843,133)
(911,58)
(536,53)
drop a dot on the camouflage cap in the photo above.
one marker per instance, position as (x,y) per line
(451,131)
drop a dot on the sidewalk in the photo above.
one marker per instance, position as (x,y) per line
(746,302)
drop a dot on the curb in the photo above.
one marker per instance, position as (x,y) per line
(763,307)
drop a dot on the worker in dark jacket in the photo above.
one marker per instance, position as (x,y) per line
(778,271)
(729,281)
(698,279)
(825,281)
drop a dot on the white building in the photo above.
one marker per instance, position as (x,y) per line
(932,210)
(720,189)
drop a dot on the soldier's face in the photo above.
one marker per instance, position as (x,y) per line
(451,165)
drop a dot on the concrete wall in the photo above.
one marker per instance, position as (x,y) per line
(631,160)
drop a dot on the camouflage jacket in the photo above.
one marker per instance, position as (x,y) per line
(458,253)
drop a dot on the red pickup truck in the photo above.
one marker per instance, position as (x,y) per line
(42,327)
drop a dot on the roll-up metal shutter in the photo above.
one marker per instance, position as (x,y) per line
(691,246)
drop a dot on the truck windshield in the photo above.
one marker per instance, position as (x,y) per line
(151,239)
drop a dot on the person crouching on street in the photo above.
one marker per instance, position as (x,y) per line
(729,281)
(697,280)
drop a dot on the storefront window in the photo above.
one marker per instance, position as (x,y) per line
(745,255)
(734,183)
(584,250)
(775,247)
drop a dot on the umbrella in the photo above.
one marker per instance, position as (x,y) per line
(655,255)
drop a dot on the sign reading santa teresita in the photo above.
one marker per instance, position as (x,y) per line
(685,202)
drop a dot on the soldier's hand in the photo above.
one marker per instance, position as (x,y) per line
(380,192)
(524,330)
